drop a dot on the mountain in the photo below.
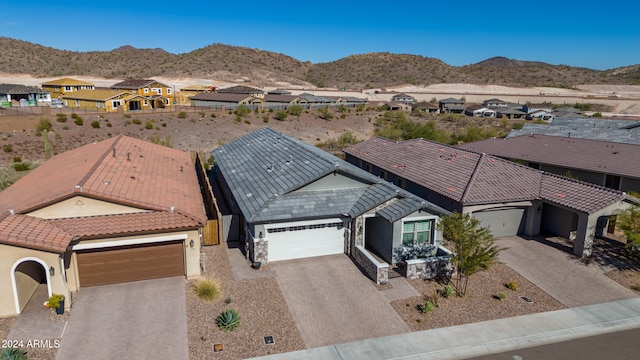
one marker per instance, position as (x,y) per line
(265,68)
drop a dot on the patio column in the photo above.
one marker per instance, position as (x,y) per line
(585,233)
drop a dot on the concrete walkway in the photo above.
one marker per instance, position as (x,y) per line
(560,274)
(35,321)
(332,302)
(488,337)
(136,320)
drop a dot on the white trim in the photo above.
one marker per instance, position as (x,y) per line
(13,278)
(115,243)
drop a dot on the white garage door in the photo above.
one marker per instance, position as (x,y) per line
(503,222)
(305,239)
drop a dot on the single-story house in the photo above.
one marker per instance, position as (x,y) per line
(290,200)
(495,103)
(228,100)
(64,86)
(21,95)
(397,105)
(425,106)
(311,99)
(279,101)
(242,89)
(451,105)
(506,197)
(479,111)
(511,112)
(118,210)
(540,114)
(530,108)
(583,128)
(279,92)
(106,100)
(603,163)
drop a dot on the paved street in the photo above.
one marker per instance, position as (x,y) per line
(136,320)
(560,274)
(332,302)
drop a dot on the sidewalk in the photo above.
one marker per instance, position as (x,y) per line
(483,338)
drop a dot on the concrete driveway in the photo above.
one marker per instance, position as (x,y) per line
(559,273)
(136,320)
(332,302)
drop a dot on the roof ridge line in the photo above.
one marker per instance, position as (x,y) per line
(472,178)
(89,173)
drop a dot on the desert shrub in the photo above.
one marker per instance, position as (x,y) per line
(325,113)
(57,136)
(21,166)
(128,116)
(247,122)
(228,320)
(182,115)
(108,124)
(17,159)
(512,285)
(434,298)
(280,115)
(206,289)
(149,125)
(78,121)
(201,113)
(74,116)
(597,114)
(7,148)
(136,121)
(65,127)
(227,300)
(213,116)
(95,124)
(44,125)
(238,119)
(13,354)
(448,291)
(242,111)
(265,118)
(501,296)
(426,306)
(164,124)
(160,141)
(62,118)
(294,110)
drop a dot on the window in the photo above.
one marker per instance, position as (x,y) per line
(157,90)
(77,103)
(417,232)
(68,88)
(383,174)
(116,103)
(97,104)
(146,90)
(168,90)
(79,87)
(146,102)
(369,168)
(612,182)
(402,183)
(360,163)
(166,102)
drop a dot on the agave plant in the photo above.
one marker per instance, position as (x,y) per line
(228,320)
(12,354)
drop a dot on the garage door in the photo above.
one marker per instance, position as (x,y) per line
(503,222)
(130,263)
(305,239)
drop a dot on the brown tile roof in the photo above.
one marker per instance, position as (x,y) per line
(123,224)
(33,232)
(135,84)
(66,81)
(97,95)
(222,97)
(590,155)
(472,178)
(121,170)
(279,98)
(241,89)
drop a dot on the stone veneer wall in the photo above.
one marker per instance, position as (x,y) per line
(378,272)
(429,268)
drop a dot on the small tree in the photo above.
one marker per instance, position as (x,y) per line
(473,246)
(629,222)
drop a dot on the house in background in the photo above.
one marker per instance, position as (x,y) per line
(109,212)
(290,200)
(479,111)
(495,103)
(228,100)
(397,105)
(508,198)
(242,89)
(65,86)
(21,95)
(158,94)
(106,100)
(403,98)
(451,105)
(185,93)
(616,131)
(608,164)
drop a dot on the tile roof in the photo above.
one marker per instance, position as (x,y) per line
(473,178)
(135,84)
(241,89)
(581,132)
(264,167)
(590,155)
(66,81)
(33,232)
(121,170)
(20,89)
(96,95)
(279,98)
(314,99)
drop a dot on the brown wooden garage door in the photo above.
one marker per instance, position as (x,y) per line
(130,263)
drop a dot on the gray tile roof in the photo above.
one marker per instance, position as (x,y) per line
(590,155)
(221,97)
(314,99)
(20,89)
(284,98)
(472,178)
(264,167)
(628,136)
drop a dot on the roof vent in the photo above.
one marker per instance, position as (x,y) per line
(11,212)
(172,208)
(78,188)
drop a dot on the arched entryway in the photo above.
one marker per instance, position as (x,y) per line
(28,275)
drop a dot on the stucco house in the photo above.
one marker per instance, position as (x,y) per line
(403,98)
(289,200)
(106,100)
(451,105)
(64,86)
(114,211)
(21,95)
(508,198)
(158,94)
(228,100)
(243,89)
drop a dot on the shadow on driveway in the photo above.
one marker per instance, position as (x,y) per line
(136,320)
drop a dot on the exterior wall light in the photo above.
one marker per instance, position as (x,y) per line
(191,243)
(52,271)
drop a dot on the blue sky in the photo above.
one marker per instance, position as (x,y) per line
(588,34)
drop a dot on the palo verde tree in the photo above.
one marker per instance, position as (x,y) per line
(629,222)
(473,247)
